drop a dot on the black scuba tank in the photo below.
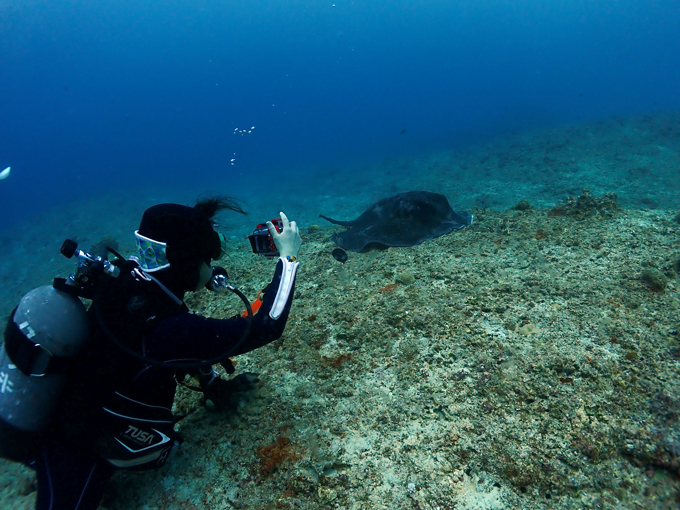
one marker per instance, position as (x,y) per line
(46,330)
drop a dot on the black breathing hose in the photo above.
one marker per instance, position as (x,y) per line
(173,365)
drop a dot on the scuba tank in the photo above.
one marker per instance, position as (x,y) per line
(46,329)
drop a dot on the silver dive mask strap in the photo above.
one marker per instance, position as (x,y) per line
(151,253)
(152,257)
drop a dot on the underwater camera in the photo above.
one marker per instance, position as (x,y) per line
(262,241)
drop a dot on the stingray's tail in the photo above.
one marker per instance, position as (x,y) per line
(337,222)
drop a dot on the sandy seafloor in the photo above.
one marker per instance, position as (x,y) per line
(528,361)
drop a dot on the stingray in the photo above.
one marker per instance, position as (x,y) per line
(405,219)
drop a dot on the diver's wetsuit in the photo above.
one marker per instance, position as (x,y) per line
(141,315)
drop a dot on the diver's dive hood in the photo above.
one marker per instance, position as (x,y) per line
(176,238)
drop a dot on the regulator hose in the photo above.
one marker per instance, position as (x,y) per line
(193,365)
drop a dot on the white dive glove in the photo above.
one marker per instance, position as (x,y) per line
(288,242)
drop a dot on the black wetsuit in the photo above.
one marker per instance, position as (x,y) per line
(71,476)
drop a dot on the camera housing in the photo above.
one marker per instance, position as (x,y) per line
(262,241)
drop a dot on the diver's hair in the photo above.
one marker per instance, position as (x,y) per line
(209,207)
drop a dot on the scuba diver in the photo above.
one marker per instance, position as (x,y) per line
(82,398)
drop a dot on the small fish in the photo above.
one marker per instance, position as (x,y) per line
(340,255)
(5,173)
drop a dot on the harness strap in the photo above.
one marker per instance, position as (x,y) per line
(31,358)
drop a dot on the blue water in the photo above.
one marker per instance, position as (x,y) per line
(98,96)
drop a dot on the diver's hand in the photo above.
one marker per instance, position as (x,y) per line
(288,242)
